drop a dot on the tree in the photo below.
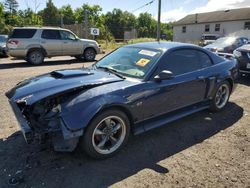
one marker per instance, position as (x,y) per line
(167,28)
(29,17)
(68,14)
(118,21)
(146,25)
(3,27)
(93,12)
(50,14)
(11,6)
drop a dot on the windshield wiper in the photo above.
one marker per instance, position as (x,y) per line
(113,71)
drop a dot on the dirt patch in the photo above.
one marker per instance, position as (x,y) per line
(202,150)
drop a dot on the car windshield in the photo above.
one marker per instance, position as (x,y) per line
(130,61)
(225,40)
(3,39)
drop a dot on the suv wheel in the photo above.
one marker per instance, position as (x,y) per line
(89,54)
(35,57)
(106,134)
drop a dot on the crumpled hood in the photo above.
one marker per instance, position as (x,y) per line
(56,82)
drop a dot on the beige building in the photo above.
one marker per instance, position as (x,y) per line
(224,23)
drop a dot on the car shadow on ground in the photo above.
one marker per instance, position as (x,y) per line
(24,64)
(42,166)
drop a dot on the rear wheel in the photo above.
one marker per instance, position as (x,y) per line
(35,57)
(89,54)
(221,96)
(106,134)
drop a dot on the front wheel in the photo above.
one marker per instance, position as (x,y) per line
(89,54)
(106,134)
(220,97)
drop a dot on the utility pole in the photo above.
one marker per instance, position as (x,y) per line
(159,21)
(86,23)
(62,21)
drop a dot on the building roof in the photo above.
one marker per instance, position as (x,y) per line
(217,16)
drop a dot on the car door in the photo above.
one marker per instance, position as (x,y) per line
(187,87)
(71,45)
(51,42)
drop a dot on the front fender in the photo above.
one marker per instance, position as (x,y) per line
(77,116)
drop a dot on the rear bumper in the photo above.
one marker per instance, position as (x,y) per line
(23,124)
(17,52)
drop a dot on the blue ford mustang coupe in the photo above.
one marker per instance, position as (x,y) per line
(132,90)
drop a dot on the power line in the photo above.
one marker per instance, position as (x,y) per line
(149,3)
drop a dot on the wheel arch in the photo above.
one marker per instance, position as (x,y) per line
(119,107)
(36,48)
(90,47)
(230,81)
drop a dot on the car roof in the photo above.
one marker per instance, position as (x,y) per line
(163,46)
(58,28)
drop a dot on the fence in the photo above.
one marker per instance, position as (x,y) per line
(81,31)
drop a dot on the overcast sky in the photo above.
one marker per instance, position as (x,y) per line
(171,9)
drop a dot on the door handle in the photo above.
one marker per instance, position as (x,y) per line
(65,42)
(43,42)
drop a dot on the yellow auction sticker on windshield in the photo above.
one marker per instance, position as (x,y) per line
(142,62)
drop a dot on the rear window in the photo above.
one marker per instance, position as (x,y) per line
(23,33)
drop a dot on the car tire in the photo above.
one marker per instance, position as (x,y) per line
(107,133)
(35,57)
(221,96)
(89,54)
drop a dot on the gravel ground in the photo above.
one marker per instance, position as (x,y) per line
(201,150)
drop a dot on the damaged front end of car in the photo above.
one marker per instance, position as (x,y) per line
(42,122)
(44,109)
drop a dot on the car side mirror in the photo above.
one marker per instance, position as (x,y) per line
(164,75)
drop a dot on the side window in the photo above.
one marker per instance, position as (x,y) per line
(182,61)
(51,34)
(23,33)
(204,59)
(65,35)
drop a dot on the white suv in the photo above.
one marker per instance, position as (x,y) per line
(36,43)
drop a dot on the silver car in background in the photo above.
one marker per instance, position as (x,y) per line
(3,51)
(35,43)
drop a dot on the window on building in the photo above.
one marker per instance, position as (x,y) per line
(217,27)
(247,25)
(184,28)
(207,28)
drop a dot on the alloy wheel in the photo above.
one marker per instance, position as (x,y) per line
(109,135)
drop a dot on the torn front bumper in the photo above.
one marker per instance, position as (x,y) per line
(63,139)
(23,124)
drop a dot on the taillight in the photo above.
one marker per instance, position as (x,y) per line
(13,42)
